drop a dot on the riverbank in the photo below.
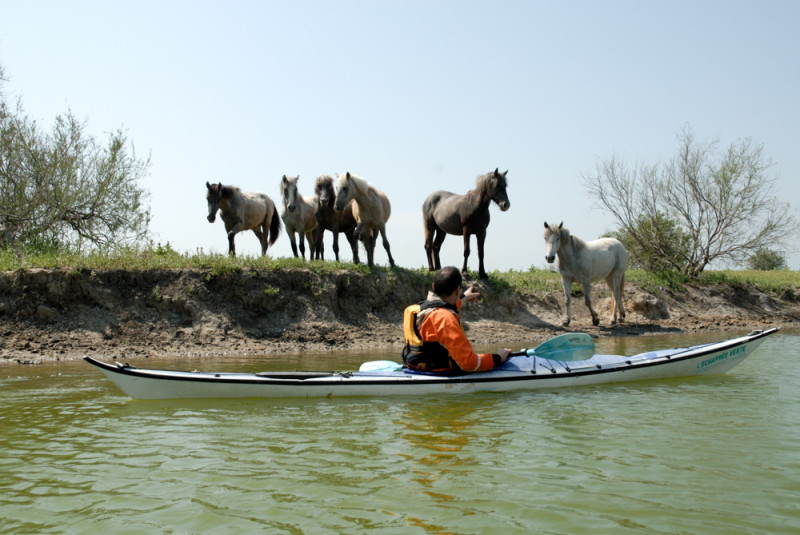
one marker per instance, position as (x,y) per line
(56,314)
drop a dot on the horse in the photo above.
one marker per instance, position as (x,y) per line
(299,217)
(584,262)
(244,211)
(330,219)
(446,213)
(371,208)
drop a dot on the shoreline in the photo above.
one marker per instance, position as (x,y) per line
(52,315)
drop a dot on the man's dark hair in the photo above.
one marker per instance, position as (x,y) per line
(446,281)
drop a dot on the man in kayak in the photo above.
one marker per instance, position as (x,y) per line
(435,339)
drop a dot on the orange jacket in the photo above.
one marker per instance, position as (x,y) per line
(442,326)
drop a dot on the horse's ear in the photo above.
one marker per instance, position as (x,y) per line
(496,171)
(208,185)
(347,174)
(560,225)
(546,225)
(504,174)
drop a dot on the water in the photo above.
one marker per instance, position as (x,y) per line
(703,455)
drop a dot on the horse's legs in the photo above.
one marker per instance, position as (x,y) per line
(353,246)
(386,245)
(466,252)
(481,238)
(231,234)
(615,284)
(311,238)
(336,244)
(587,298)
(567,284)
(262,239)
(319,247)
(231,244)
(369,244)
(294,243)
(438,239)
(430,232)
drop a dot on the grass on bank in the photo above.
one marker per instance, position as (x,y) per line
(534,281)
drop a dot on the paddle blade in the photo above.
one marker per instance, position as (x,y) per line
(570,346)
(380,366)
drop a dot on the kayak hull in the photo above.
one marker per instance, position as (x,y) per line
(520,373)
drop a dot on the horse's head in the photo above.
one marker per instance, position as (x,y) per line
(496,189)
(323,189)
(289,192)
(346,191)
(213,196)
(552,240)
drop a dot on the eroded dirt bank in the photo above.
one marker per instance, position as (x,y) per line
(60,314)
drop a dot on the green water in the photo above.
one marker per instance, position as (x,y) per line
(703,455)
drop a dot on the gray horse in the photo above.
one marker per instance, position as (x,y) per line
(330,219)
(584,262)
(243,211)
(446,213)
(298,217)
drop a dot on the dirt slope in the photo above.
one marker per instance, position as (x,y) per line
(59,314)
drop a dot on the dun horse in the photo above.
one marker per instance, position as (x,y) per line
(371,209)
(584,262)
(330,219)
(299,217)
(462,215)
(243,211)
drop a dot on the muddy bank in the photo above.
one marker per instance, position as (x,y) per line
(61,314)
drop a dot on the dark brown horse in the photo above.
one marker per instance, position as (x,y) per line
(243,211)
(462,215)
(329,219)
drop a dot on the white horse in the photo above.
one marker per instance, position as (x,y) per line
(584,262)
(299,216)
(371,210)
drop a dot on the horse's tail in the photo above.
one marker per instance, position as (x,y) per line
(274,227)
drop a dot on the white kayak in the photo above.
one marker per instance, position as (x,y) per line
(564,361)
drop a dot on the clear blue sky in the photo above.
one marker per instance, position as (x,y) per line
(414,96)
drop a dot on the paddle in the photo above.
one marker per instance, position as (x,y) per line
(570,346)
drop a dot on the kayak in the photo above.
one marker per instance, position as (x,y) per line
(563,361)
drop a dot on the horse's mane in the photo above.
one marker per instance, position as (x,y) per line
(565,237)
(359,183)
(483,182)
(229,191)
(325,182)
(322,180)
(290,180)
(576,242)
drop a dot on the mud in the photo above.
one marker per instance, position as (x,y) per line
(62,314)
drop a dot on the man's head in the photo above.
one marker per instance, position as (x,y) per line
(446,281)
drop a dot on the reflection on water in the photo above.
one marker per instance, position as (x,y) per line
(662,457)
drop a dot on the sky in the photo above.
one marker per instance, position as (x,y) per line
(414,96)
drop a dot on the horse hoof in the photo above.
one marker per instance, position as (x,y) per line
(595,322)
(565,323)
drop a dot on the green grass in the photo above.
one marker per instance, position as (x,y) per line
(531,282)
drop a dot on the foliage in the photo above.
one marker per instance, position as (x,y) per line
(766,259)
(66,189)
(720,205)
(652,242)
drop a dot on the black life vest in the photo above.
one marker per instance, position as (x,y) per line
(420,355)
